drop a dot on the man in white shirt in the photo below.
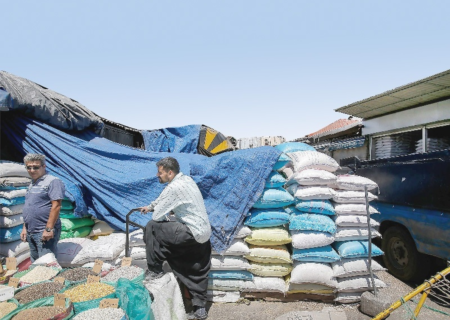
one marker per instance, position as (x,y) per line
(179,233)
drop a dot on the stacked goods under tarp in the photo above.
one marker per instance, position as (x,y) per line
(352,238)
(309,180)
(14,181)
(73,226)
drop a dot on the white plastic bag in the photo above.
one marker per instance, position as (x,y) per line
(313,272)
(310,239)
(313,177)
(303,160)
(229,263)
(353,209)
(238,248)
(11,221)
(353,182)
(354,221)
(354,267)
(105,248)
(311,192)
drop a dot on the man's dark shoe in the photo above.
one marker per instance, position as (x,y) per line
(198,314)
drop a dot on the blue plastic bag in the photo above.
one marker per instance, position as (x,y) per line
(230,274)
(315,206)
(310,222)
(274,198)
(275,180)
(321,254)
(282,161)
(10,234)
(265,218)
(356,249)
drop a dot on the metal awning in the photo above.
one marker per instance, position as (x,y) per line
(428,90)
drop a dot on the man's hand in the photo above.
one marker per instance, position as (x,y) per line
(47,235)
(23,235)
(144,210)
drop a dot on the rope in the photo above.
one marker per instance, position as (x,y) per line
(433,309)
(408,308)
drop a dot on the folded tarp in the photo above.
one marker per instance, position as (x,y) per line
(46,105)
(106,179)
(180,139)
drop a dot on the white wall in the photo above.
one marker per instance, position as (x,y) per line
(434,112)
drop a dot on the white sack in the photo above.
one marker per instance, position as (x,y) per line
(312,177)
(352,197)
(354,221)
(303,160)
(13,194)
(266,284)
(12,249)
(69,248)
(13,169)
(223,296)
(354,267)
(313,272)
(105,248)
(353,182)
(359,284)
(354,233)
(311,192)
(238,248)
(229,263)
(310,239)
(11,210)
(243,232)
(11,221)
(353,209)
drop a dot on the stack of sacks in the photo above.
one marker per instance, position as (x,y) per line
(68,249)
(71,225)
(14,181)
(269,256)
(107,249)
(100,228)
(352,237)
(137,250)
(310,180)
(229,275)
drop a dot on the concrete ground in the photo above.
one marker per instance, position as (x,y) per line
(262,310)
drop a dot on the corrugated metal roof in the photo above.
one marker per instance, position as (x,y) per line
(418,93)
(335,127)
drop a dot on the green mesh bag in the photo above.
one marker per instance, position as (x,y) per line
(134,299)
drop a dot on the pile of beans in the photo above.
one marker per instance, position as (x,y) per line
(6,307)
(39,274)
(38,291)
(101,314)
(77,274)
(41,313)
(89,291)
(129,273)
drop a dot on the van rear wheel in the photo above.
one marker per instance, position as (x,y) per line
(401,256)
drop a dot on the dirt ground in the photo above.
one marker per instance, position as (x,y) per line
(262,310)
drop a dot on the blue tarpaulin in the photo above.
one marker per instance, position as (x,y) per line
(107,179)
(179,139)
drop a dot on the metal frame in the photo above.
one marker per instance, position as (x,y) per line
(127,226)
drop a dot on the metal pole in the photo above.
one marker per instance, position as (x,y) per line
(370,240)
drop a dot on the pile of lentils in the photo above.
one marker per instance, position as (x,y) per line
(41,313)
(6,307)
(101,314)
(89,291)
(38,291)
(39,274)
(77,274)
(129,273)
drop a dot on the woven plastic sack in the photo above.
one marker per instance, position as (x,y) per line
(352,197)
(354,233)
(352,182)
(310,239)
(68,250)
(10,234)
(274,198)
(70,224)
(44,303)
(354,221)
(359,284)
(229,263)
(137,238)
(168,302)
(313,160)
(275,180)
(101,228)
(230,274)
(21,257)
(311,222)
(294,147)
(12,202)
(76,233)
(269,237)
(311,192)
(11,194)
(12,249)
(283,160)
(243,232)
(14,183)
(66,204)
(348,297)
(13,169)
(270,269)
(354,267)
(105,248)
(356,249)
(11,221)
(321,254)
(313,272)
(223,296)
(11,210)
(134,299)
(267,284)
(269,254)
(287,172)
(237,248)
(136,253)
(308,288)
(315,206)
(265,218)
(353,209)
(313,177)
(227,284)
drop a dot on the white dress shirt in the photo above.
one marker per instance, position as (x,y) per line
(183,197)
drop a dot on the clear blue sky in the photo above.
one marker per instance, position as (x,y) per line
(246,68)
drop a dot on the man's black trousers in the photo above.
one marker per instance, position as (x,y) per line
(190,261)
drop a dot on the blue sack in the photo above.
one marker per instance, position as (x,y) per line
(265,218)
(315,206)
(294,147)
(230,274)
(12,202)
(321,254)
(275,180)
(310,222)
(10,234)
(282,161)
(356,249)
(274,198)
